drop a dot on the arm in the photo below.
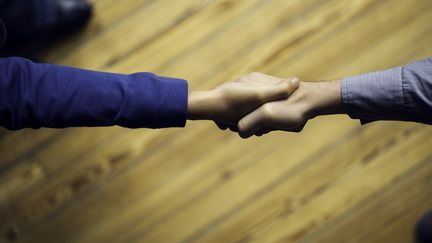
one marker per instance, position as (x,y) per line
(402,93)
(229,102)
(43,95)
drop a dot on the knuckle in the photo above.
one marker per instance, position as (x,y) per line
(241,78)
(267,111)
(244,78)
(254,74)
(286,84)
(242,125)
(222,94)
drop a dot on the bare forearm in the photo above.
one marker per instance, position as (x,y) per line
(323,98)
(200,104)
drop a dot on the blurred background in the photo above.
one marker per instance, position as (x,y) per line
(336,181)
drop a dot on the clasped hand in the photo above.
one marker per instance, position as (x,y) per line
(257,103)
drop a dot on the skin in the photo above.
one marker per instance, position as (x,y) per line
(229,102)
(311,99)
(257,104)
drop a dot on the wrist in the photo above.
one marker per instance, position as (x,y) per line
(200,103)
(323,98)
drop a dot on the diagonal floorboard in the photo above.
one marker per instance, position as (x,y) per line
(336,181)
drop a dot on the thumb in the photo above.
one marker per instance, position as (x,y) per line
(251,123)
(281,90)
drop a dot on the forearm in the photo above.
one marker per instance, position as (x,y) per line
(200,105)
(42,95)
(322,98)
(401,93)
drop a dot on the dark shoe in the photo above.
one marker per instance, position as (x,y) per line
(30,21)
(73,15)
(424,228)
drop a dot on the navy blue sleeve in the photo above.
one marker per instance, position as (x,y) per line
(401,93)
(45,95)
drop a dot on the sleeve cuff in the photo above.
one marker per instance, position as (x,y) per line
(374,96)
(155,102)
(173,106)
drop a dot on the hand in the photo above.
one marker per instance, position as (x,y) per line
(229,102)
(310,100)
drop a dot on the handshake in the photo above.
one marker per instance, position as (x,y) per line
(257,104)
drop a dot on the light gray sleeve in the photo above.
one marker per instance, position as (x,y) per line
(401,93)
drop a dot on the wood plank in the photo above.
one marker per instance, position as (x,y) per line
(203,38)
(20,145)
(347,192)
(380,214)
(142,27)
(67,174)
(48,159)
(376,52)
(145,200)
(200,184)
(107,14)
(402,229)
(297,186)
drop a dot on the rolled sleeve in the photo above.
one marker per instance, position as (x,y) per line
(374,96)
(163,99)
(45,95)
(417,87)
(401,93)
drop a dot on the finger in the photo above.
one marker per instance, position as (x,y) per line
(251,123)
(280,91)
(221,125)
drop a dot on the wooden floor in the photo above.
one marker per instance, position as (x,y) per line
(337,181)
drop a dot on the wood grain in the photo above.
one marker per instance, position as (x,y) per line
(336,181)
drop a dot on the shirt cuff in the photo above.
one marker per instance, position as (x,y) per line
(374,96)
(155,102)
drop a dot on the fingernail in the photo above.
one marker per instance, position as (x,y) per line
(295,82)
